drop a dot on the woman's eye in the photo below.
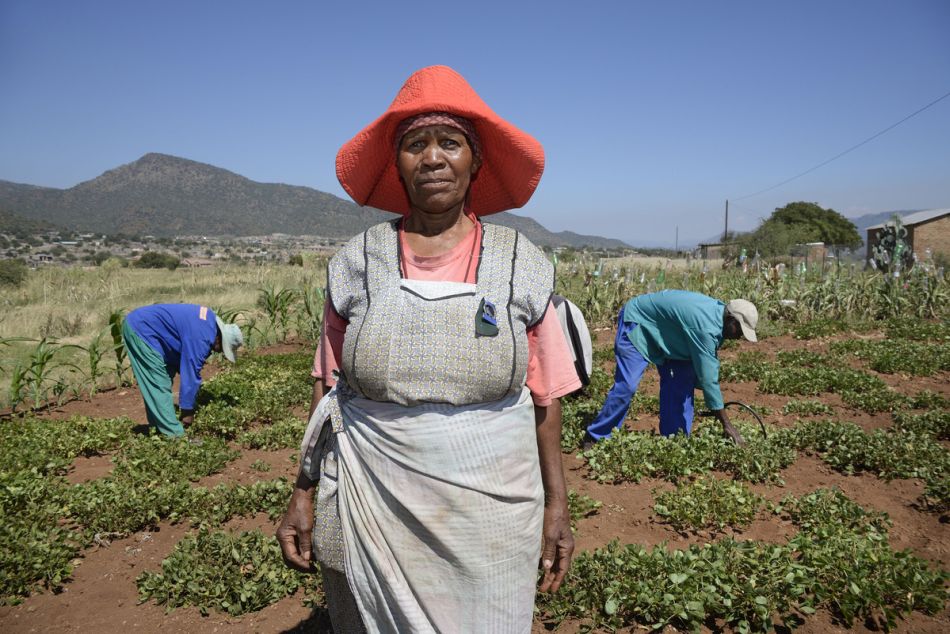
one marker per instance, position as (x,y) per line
(450,143)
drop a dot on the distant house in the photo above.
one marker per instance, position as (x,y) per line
(813,251)
(196,262)
(928,229)
(710,251)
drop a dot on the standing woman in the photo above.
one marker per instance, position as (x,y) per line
(437,450)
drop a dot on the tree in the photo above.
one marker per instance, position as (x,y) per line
(773,240)
(819,224)
(797,223)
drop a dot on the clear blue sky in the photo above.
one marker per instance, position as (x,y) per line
(651,113)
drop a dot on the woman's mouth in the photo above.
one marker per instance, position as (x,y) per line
(435,183)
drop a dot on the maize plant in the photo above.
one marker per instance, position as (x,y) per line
(276,303)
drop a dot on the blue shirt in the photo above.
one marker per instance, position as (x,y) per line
(680,326)
(184,335)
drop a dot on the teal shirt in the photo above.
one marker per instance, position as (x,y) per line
(680,326)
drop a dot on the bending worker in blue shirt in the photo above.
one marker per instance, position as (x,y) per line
(680,332)
(165,339)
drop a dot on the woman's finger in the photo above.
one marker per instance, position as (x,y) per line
(564,552)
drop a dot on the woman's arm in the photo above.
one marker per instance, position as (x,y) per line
(326,359)
(319,389)
(295,529)
(558,539)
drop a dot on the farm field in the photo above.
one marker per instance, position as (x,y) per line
(836,520)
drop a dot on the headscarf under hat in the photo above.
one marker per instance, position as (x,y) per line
(461,124)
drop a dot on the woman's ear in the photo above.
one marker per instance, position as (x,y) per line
(476,163)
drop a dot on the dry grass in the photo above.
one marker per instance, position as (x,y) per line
(73,304)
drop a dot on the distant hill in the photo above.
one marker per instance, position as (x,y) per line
(166,195)
(544,238)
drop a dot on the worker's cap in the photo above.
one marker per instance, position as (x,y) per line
(231,338)
(746,314)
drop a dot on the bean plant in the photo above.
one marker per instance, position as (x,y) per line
(231,573)
(708,502)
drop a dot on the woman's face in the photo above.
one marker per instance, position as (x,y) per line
(436,166)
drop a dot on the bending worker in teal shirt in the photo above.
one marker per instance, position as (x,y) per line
(167,339)
(679,332)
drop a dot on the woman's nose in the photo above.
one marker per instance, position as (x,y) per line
(432,156)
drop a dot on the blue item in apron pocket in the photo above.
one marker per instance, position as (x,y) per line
(486,325)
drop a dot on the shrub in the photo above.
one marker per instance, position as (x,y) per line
(12,273)
(155,260)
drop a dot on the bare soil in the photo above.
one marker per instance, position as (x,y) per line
(102,595)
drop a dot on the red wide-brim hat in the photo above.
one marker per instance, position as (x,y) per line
(512,160)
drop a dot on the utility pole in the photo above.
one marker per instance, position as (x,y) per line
(677,247)
(725,233)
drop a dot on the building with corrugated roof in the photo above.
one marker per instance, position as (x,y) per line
(928,229)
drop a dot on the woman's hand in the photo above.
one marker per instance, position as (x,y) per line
(294,532)
(558,545)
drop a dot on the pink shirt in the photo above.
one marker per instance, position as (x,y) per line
(551,371)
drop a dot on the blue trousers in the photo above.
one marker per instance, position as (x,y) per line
(677,382)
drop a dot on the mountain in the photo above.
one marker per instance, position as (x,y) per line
(544,238)
(18,225)
(166,195)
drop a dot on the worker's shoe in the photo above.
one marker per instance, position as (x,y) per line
(589,442)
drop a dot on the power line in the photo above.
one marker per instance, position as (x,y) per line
(850,149)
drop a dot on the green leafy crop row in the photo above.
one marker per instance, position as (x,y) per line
(892,356)
(807,408)
(839,560)
(708,503)
(911,450)
(259,389)
(632,455)
(802,373)
(47,521)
